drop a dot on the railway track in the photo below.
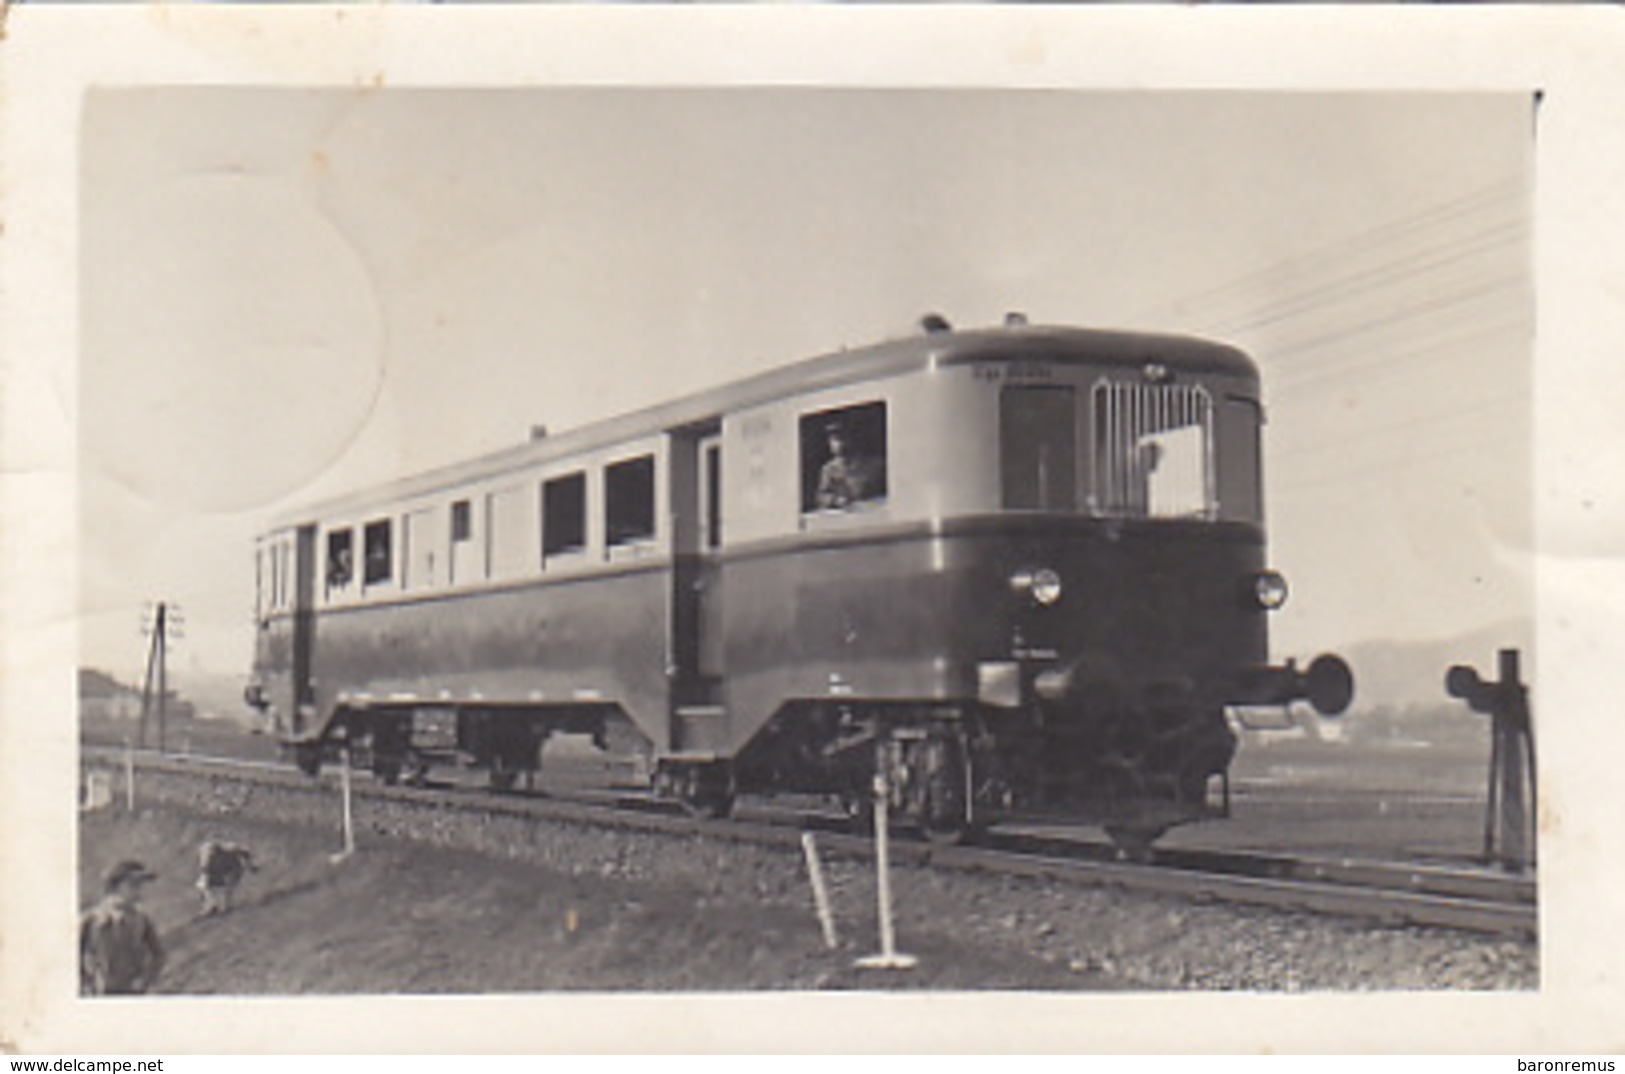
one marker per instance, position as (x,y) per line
(1387,893)
(1392,893)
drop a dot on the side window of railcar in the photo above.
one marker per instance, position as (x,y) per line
(629,501)
(273,553)
(340,560)
(564,514)
(843,457)
(462,566)
(273,599)
(284,591)
(380,561)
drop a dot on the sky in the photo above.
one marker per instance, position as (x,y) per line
(288,294)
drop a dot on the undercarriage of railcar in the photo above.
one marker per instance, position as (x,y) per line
(405,740)
(1134,762)
(952,769)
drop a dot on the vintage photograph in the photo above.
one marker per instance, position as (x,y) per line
(801,539)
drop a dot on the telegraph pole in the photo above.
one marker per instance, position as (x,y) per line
(156,683)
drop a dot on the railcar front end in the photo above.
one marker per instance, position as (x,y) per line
(1058,633)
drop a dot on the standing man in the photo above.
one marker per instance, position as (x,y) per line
(119,952)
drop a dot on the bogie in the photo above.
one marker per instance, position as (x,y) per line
(704,788)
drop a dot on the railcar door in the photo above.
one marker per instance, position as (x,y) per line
(698,720)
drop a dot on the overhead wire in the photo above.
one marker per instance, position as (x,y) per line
(1387,465)
(1384,430)
(1384,276)
(1386,304)
(1385,363)
(1293,270)
(1374,358)
(1436,304)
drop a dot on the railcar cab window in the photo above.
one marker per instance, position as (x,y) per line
(564,514)
(340,560)
(380,562)
(1038,447)
(843,458)
(629,501)
(1153,450)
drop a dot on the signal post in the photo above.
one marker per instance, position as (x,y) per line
(1509,814)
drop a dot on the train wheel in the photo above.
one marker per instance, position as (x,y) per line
(387,769)
(946,835)
(1133,841)
(502,777)
(860,811)
(706,791)
(1193,787)
(709,806)
(308,757)
(944,778)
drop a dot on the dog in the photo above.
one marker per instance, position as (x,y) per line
(222,865)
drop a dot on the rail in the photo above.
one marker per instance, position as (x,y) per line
(1387,893)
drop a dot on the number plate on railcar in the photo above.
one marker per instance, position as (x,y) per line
(995,372)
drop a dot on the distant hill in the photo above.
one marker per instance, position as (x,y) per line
(99,684)
(1410,674)
(217,697)
(193,694)
(102,697)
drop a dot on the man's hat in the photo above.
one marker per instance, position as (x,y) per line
(126,871)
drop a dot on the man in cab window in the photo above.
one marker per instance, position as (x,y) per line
(847,478)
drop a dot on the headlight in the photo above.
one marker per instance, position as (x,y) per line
(1042,585)
(1269,589)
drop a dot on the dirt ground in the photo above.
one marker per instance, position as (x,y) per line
(562,907)
(399,917)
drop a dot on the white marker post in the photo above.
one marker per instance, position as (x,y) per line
(889,958)
(349,825)
(98,791)
(826,918)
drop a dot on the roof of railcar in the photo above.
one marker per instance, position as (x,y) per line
(1072,346)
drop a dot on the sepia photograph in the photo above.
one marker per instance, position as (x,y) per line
(548,466)
(975,541)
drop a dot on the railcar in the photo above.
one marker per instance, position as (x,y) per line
(1018,570)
